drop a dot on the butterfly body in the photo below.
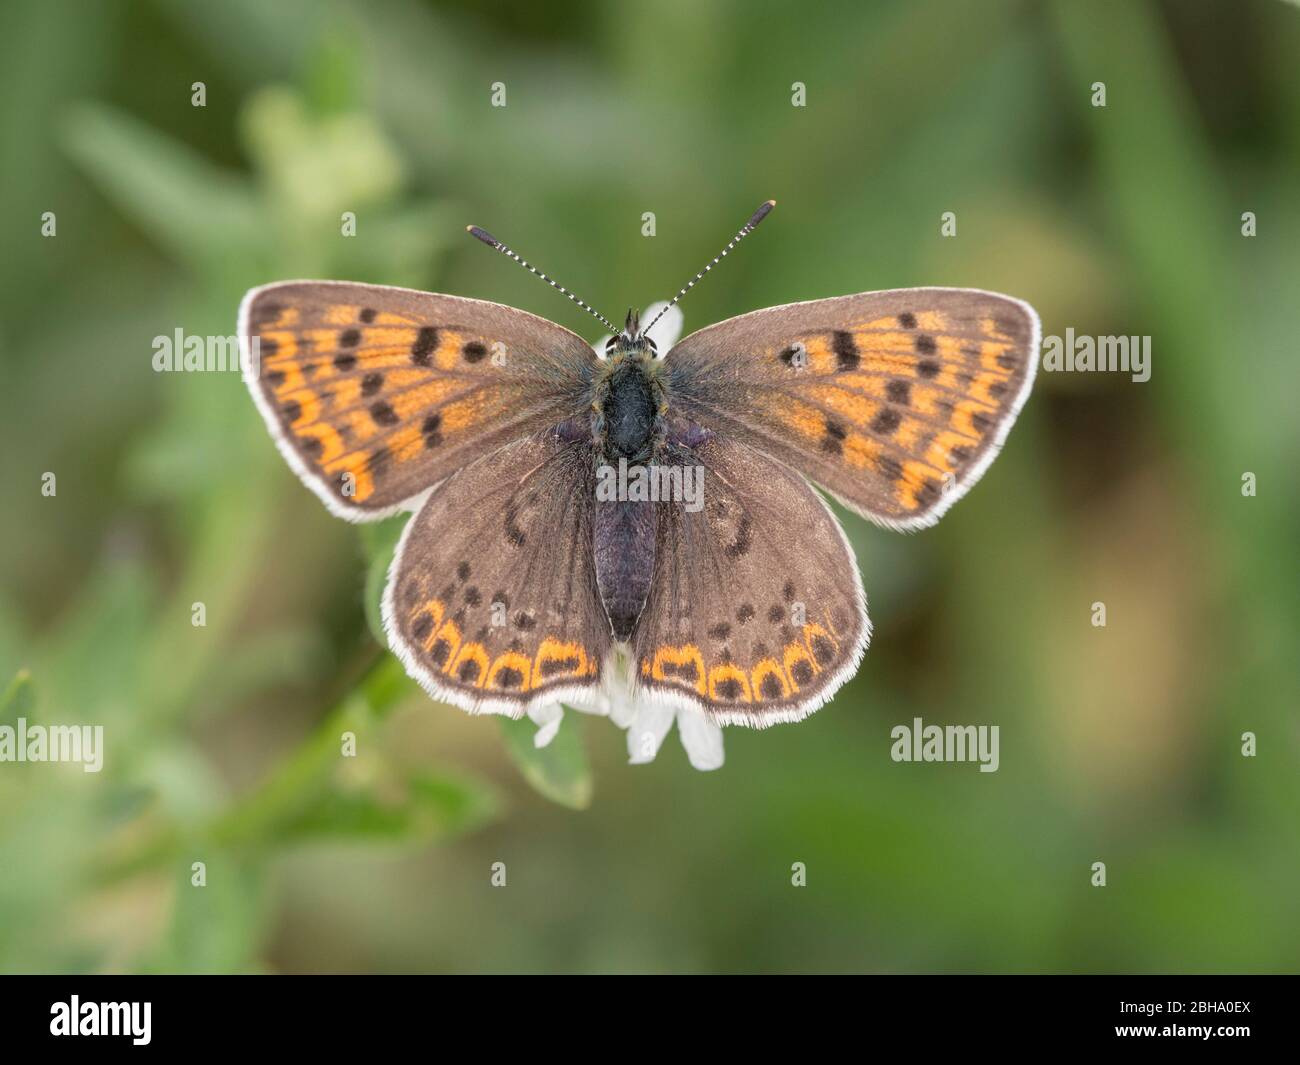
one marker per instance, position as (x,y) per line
(630,402)
(516,581)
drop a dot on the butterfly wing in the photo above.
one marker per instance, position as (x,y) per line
(896,402)
(375,394)
(491,600)
(756,612)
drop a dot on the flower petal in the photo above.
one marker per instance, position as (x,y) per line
(622,709)
(547,718)
(701,738)
(646,734)
(668,329)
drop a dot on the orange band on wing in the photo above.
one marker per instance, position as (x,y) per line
(729,683)
(682,665)
(510,672)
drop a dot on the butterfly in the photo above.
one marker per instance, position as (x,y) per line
(519,582)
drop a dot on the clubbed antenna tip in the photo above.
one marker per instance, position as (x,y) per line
(760,214)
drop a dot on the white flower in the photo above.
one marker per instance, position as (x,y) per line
(646,720)
(650,724)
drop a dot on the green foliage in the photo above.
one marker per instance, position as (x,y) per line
(559,770)
(18,699)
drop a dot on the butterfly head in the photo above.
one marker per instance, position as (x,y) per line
(632,341)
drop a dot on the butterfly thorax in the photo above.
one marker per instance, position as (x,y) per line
(629,403)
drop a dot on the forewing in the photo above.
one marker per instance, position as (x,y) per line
(896,402)
(491,600)
(375,394)
(756,612)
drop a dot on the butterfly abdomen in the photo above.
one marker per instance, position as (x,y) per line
(624,548)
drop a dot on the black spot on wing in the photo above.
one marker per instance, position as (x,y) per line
(823,650)
(885,422)
(426,340)
(508,677)
(833,440)
(431,430)
(846,350)
(422,626)
(740,545)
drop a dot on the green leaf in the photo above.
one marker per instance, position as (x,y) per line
(19,698)
(215,928)
(559,770)
(314,166)
(430,806)
(332,75)
(198,212)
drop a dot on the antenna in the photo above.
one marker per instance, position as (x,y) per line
(492,242)
(745,231)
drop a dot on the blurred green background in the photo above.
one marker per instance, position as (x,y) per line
(1119,744)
